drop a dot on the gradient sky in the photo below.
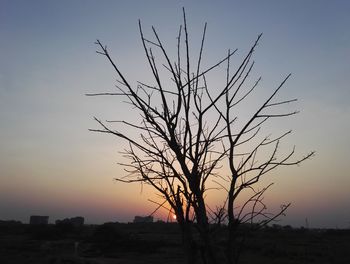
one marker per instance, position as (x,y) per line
(50,164)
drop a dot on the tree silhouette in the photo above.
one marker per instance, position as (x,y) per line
(190,133)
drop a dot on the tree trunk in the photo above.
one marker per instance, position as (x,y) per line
(207,250)
(188,243)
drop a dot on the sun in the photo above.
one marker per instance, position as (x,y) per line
(174,217)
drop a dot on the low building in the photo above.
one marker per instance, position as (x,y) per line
(75,221)
(38,220)
(143,219)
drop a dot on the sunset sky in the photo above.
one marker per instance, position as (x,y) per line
(51,164)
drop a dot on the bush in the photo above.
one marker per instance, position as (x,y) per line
(107,233)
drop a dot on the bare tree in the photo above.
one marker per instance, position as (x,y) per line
(188,133)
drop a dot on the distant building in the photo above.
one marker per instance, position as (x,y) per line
(143,219)
(75,221)
(38,220)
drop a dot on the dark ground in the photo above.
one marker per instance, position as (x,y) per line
(160,243)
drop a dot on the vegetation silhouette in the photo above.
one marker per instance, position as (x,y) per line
(192,136)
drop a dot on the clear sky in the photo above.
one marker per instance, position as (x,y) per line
(50,164)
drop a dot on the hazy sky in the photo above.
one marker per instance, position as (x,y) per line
(50,164)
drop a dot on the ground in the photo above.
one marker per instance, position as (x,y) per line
(117,243)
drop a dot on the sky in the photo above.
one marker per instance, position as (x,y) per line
(51,164)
